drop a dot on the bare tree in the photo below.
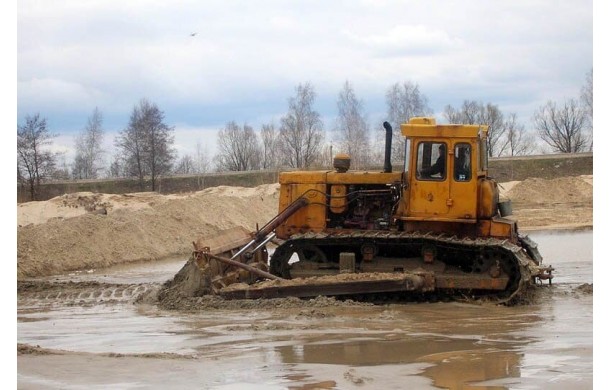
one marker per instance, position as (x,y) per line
(185,165)
(473,113)
(35,162)
(491,116)
(468,114)
(404,102)
(238,148)
(131,143)
(160,141)
(301,129)
(116,168)
(452,115)
(563,128)
(518,141)
(586,97)
(202,158)
(146,145)
(89,152)
(61,170)
(270,146)
(352,129)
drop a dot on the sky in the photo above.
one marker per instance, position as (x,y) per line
(205,63)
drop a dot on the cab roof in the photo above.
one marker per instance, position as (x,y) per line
(427,127)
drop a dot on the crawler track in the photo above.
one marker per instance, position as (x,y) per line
(469,261)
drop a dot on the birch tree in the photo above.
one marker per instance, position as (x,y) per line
(89,152)
(301,129)
(404,101)
(352,130)
(270,146)
(474,113)
(518,141)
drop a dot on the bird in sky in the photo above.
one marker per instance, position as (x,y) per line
(193,34)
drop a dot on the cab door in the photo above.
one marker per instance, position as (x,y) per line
(443,186)
(463,184)
(430,189)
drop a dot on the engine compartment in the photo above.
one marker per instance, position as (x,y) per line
(367,207)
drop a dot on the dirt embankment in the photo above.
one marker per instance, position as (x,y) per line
(561,203)
(70,233)
(85,230)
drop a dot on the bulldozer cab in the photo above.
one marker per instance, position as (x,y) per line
(444,165)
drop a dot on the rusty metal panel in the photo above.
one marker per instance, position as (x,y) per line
(503,228)
(470,282)
(311,217)
(307,177)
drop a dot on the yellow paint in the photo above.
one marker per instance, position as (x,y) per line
(449,200)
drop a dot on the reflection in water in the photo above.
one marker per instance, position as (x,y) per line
(463,369)
(460,344)
(379,352)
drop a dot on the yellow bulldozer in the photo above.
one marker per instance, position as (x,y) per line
(436,227)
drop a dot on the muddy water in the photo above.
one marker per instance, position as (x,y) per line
(113,343)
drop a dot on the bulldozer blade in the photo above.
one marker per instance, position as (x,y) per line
(345,284)
(364,283)
(200,276)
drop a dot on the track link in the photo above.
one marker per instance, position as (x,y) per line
(471,257)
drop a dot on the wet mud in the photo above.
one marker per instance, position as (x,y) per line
(87,331)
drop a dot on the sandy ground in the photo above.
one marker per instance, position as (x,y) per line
(84,231)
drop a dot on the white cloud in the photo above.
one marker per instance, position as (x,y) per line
(247,57)
(186,139)
(58,94)
(407,40)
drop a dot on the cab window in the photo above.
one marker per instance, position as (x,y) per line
(431,161)
(462,167)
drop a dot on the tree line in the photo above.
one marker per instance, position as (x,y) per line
(144,149)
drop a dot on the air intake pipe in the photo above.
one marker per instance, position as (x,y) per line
(387,165)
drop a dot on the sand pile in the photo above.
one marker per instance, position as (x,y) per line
(67,233)
(560,203)
(578,189)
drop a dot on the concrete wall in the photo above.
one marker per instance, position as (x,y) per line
(502,169)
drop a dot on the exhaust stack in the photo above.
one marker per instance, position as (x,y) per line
(387,166)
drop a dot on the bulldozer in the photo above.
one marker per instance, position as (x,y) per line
(434,228)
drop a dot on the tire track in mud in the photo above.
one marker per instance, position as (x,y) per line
(81,293)
(90,293)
